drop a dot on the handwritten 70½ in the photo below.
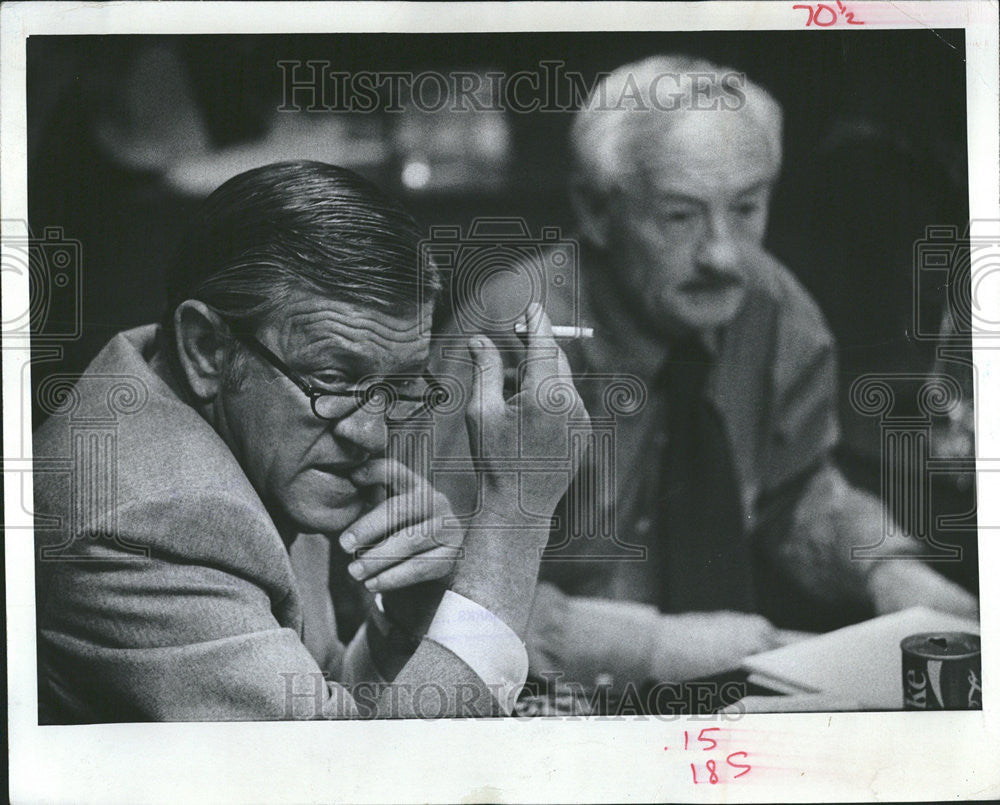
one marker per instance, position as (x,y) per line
(824,15)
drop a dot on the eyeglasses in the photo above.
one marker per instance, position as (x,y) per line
(383,395)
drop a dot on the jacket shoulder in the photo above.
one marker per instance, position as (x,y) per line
(774,292)
(124,457)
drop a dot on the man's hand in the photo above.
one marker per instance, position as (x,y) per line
(511,526)
(410,537)
(694,645)
(533,423)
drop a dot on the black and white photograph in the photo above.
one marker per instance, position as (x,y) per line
(594,397)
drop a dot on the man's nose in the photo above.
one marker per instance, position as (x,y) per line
(719,250)
(365,430)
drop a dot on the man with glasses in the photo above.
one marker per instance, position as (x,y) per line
(292,342)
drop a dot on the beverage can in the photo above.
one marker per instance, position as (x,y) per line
(942,671)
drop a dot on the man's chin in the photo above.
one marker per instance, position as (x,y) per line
(327,520)
(708,314)
(320,502)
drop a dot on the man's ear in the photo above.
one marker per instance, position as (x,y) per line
(591,210)
(201,347)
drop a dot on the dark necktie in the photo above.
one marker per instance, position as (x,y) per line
(704,557)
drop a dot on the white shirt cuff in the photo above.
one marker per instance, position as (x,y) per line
(483,642)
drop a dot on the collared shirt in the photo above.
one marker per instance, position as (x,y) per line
(771,383)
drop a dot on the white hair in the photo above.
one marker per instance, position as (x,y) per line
(633,101)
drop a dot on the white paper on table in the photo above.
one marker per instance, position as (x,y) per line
(862,662)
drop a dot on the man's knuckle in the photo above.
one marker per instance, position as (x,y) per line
(417,535)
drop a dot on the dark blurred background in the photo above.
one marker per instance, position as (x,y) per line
(126,132)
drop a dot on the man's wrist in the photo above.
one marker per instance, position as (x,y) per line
(492,515)
(483,642)
(499,574)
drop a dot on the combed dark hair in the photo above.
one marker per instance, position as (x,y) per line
(299,225)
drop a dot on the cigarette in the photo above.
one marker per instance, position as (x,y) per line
(561,331)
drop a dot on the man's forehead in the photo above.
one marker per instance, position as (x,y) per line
(311,326)
(717,147)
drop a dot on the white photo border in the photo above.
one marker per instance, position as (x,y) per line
(803,757)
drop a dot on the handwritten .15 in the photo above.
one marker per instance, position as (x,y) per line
(824,16)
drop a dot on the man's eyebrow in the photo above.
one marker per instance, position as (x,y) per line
(313,358)
(341,359)
(756,187)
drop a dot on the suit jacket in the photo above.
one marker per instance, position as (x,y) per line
(163,588)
